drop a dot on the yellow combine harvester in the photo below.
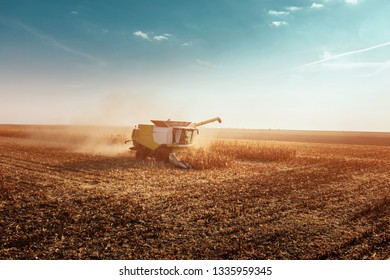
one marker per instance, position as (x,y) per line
(162,139)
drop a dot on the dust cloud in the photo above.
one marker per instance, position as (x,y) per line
(103,126)
(104,140)
(130,109)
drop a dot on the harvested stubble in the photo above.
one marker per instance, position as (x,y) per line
(331,202)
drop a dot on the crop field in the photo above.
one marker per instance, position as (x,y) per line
(69,192)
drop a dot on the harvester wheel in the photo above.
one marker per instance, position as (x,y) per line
(140,154)
(162,154)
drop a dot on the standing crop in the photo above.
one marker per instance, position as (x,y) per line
(223,153)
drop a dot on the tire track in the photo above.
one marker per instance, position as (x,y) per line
(39,171)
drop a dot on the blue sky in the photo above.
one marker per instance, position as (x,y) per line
(299,64)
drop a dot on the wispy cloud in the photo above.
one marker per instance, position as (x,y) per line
(293,8)
(146,36)
(51,41)
(277,13)
(75,13)
(332,57)
(351,2)
(279,23)
(160,38)
(141,34)
(317,6)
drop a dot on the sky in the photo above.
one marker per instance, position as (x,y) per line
(267,64)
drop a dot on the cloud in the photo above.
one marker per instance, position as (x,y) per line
(186,44)
(145,36)
(316,6)
(294,8)
(326,55)
(141,35)
(279,23)
(277,13)
(351,2)
(75,13)
(160,38)
(330,57)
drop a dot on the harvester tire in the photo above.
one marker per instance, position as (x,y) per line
(162,154)
(140,154)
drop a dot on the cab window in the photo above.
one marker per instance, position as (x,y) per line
(182,136)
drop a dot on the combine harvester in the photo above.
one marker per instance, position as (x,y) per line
(164,138)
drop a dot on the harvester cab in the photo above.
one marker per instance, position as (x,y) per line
(162,139)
